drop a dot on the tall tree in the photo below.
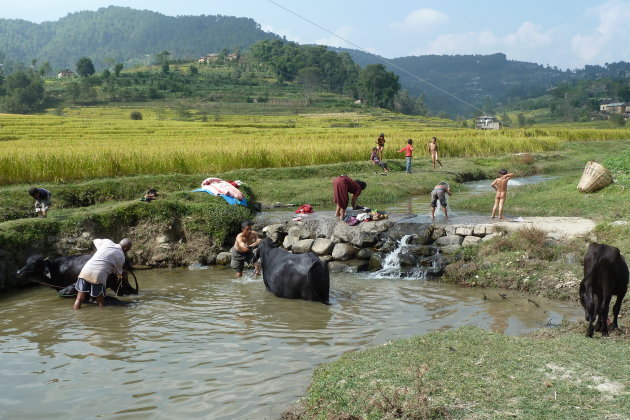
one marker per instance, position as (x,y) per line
(377,86)
(85,67)
(24,92)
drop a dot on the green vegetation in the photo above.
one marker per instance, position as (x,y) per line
(471,373)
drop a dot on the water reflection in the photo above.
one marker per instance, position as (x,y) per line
(204,344)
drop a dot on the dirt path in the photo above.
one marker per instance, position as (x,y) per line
(566,227)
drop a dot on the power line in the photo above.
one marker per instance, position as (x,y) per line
(384,60)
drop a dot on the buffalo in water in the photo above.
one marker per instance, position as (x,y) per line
(605,275)
(62,273)
(294,276)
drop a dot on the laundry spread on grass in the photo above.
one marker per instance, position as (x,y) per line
(228,190)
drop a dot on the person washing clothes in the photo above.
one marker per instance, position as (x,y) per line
(439,193)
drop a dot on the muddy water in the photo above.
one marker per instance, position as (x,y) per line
(201,344)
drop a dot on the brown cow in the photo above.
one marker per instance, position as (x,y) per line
(605,275)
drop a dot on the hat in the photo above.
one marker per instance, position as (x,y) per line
(246,222)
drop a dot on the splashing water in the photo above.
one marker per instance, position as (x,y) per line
(391,264)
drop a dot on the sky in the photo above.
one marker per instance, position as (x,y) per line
(567,34)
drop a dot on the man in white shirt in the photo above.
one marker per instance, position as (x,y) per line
(109,258)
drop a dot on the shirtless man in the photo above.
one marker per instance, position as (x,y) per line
(243,249)
(500,185)
(433,151)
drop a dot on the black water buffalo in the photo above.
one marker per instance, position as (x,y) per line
(605,275)
(294,276)
(61,272)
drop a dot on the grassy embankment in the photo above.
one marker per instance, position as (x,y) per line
(469,373)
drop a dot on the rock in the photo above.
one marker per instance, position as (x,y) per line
(376,261)
(470,240)
(425,250)
(480,230)
(337,267)
(208,259)
(438,232)
(322,246)
(450,249)
(449,240)
(275,232)
(570,258)
(162,239)
(343,252)
(491,236)
(302,246)
(422,232)
(299,232)
(364,254)
(407,260)
(159,257)
(326,258)
(224,258)
(86,235)
(464,231)
(619,223)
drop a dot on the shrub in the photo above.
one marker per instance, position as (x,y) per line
(135,115)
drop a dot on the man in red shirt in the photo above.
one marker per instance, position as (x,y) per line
(342,186)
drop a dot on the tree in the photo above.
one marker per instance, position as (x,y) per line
(309,78)
(377,86)
(117,69)
(85,67)
(24,92)
(162,57)
(194,70)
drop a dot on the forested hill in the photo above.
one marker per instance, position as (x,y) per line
(116,34)
(484,81)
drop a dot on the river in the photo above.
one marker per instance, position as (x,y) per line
(203,344)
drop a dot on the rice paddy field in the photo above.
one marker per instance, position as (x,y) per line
(87,143)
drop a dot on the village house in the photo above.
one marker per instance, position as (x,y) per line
(615,107)
(65,73)
(487,122)
(208,58)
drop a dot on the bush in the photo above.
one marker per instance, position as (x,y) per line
(135,115)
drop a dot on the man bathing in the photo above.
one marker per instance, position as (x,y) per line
(500,185)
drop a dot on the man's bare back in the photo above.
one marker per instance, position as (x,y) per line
(500,186)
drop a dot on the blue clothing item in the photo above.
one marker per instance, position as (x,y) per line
(408,164)
(233,201)
(94,289)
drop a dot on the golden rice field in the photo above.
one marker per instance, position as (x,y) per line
(104,142)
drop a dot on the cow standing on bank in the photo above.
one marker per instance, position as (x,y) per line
(605,275)
(294,276)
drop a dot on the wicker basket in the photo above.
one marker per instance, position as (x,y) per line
(595,177)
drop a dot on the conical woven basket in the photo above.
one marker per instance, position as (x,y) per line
(595,177)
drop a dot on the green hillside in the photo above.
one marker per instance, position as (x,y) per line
(117,34)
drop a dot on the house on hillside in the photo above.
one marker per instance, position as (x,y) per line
(65,73)
(615,107)
(487,122)
(208,58)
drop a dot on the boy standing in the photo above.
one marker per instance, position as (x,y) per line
(433,151)
(500,185)
(380,142)
(243,249)
(42,200)
(408,149)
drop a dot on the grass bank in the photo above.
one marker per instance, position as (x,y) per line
(475,374)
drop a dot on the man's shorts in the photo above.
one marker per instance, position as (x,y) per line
(383,165)
(239,259)
(42,205)
(438,194)
(94,289)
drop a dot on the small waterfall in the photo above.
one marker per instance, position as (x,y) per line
(391,264)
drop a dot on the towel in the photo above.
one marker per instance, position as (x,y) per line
(233,201)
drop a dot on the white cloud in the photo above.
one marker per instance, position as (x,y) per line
(609,39)
(528,35)
(421,19)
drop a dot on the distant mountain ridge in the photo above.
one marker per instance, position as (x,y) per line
(116,34)
(483,81)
